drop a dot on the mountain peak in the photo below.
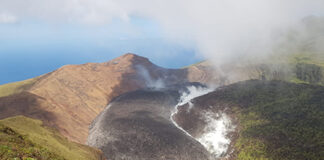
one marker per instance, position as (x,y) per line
(130,59)
(132,56)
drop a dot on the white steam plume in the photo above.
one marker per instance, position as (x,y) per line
(149,81)
(214,136)
(192,93)
(186,97)
(222,30)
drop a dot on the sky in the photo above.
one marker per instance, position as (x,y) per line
(38,36)
(32,48)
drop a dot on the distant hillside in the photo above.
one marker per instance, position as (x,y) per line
(309,68)
(293,67)
(17,87)
(25,138)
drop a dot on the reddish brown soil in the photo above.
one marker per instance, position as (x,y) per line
(69,98)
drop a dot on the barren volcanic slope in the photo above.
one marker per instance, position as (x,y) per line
(137,126)
(72,96)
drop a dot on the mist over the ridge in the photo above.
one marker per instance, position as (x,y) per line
(222,30)
(148,80)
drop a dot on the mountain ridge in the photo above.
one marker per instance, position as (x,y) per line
(70,97)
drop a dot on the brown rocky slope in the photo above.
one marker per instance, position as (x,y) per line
(69,98)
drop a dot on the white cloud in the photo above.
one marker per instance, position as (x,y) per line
(7,18)
(222,29)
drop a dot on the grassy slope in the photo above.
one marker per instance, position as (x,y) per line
(307,58)
(38,139)
(16,87)
(310,59)
(301,58)
(284,67)
(278,120)
(14,145)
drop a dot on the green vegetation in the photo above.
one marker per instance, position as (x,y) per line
(17,87)
(296,68)
(278,120)
(308,72)
(26,138)
(16,146)
(317,59)
(309,68)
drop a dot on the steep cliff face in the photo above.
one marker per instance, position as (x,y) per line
(72,96)
(137,126)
